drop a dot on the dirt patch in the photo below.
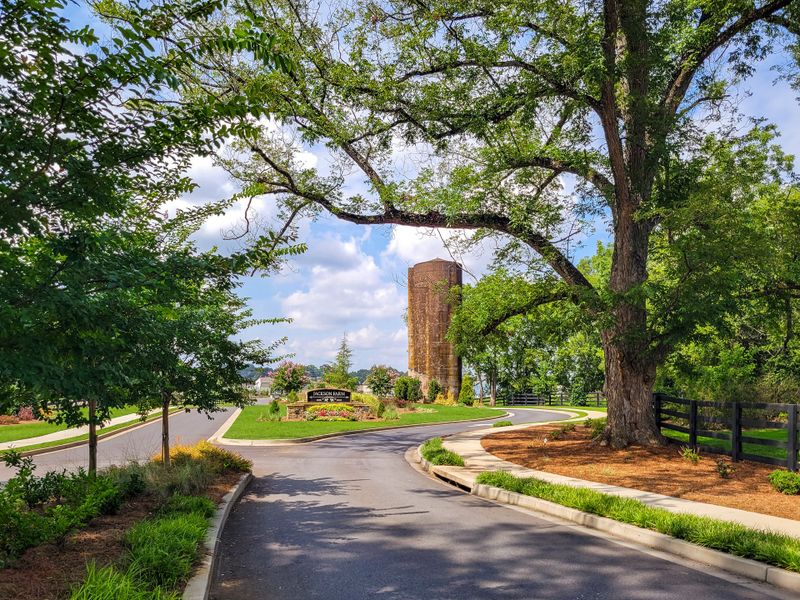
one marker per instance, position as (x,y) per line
(659,470)
(50,571)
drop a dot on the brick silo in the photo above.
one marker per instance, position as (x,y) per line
(430,355)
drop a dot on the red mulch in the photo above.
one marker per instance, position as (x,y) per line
(49,571)
(659,470)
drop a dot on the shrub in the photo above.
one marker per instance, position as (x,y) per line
(408,388)
(502,423)
(434,389)
(690,454)
(215,459)
(597,427)
(436,454)
(25,413)
(446,399)
(724,468)
(376,405)
(35,509)
(330,412)
(785,482)
(390,414)
(467,393)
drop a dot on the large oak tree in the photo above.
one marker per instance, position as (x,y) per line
(502,103)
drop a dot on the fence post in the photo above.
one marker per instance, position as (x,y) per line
(736,431)
(693,424)
(657,409)
(791,447)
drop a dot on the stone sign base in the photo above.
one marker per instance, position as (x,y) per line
(297,411)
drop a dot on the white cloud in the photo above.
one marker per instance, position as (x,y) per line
(345,286)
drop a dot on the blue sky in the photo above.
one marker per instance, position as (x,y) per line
(352,279)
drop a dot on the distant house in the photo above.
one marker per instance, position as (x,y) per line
(263,383)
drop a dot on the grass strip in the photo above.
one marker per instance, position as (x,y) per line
(771,548)
(162,551)
(435,453)
(502,423)
(22,431)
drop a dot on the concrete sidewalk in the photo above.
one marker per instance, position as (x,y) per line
(477,460)
(66,434)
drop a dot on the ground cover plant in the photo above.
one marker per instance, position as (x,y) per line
(775,549)
(785,482)
(252,422)
(330,412)
(435,453)
(147,556)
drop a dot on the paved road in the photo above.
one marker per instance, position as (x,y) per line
(347,518)
(137,444)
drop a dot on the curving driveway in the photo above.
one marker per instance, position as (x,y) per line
(348,518)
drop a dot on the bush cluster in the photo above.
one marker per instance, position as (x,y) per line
(408,388)
(34,509)
(446,398)
(330,412)
(785,482)
(597,427)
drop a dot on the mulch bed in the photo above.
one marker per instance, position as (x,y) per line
(49,571)
(659,470)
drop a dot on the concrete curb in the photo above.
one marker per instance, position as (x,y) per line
(100,437)
(199,586)
(218,438)
(745,567)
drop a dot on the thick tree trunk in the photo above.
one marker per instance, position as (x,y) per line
(165,399)
(92,438)
(629,389)
(629,361)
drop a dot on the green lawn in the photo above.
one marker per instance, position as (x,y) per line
(248,427)
(767,434)
(10,433)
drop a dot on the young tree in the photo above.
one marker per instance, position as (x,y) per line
(506,98)
(338,374)
(289,377)
(379,381)
(466,394)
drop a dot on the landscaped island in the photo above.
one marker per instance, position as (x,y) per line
(261,423)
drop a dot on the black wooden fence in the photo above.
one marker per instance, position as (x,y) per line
(741,430)
(552,399)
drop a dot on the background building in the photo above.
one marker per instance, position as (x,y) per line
(430,355)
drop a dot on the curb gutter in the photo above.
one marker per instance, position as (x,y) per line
(652,539)
(199,585)
(218,438)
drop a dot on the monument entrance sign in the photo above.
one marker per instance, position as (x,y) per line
(328,395)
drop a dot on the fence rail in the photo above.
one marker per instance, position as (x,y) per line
(552,399)
(741,430)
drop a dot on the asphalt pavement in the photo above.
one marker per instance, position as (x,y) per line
(348,518)
(136,444)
